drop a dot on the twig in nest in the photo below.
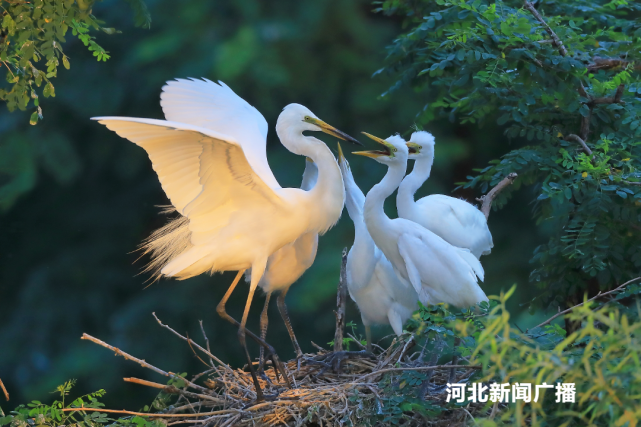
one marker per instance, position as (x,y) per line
(202,329)
(486,201)
(4,390)
(170,389)
(190,341)
(597,296)
(143,414)
(420,368)
(141,362)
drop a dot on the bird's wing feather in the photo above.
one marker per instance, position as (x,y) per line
(405,244)
(472,261)
(215,106)
(205,175)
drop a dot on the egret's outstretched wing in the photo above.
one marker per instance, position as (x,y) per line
(205,175)
(215,106)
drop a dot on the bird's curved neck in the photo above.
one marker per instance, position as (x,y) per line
(375,217)
(327,197)
(412,182)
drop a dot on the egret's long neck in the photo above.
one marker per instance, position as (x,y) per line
(411,183)
(327,197)
(374,213)
(362,255)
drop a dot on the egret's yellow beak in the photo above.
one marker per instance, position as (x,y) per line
(413,148)
(389,148)
(331,130)
(341,157)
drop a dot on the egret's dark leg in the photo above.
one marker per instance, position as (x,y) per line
(283,313)
(243,343)
(220,309)
(264,321)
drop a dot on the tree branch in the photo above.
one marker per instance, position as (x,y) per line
(170,389)
(576,138)
(616,99)
(556,41)
(144,414)
(341,298)
(597,296)
(608,64)
(486,201)
(4,390)
(141,362)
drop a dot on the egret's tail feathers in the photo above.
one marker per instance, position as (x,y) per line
(166,243)
(473,262)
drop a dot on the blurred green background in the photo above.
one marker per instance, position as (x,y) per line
(76,199)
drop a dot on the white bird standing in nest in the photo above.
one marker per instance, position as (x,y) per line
(380,295)
(210,157)
(438,271)
(456,221)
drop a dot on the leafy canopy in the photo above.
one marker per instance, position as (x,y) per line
(32,34)
(563,78)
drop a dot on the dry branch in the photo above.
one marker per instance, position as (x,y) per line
(173,390)
(4,390)
(141,362)
(597,296)
(341,300)
(143,414)
(486,201)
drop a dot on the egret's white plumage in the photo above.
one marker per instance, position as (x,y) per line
(438,271)
(210,159)
(380,295)
(457,221)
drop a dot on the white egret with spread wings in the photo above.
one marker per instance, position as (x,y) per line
(210,157)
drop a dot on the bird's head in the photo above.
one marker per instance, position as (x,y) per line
(299,118)
(393,150)
(421,144)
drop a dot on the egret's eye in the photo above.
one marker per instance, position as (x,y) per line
(395,150)
(420,147)
(306,118)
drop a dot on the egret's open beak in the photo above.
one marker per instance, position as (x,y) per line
(331,130)
(389,148)
(413,147)
(341,157)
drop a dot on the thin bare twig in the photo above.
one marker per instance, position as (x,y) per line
(143,414)
(202,329)
(341,300)
(577,138)
(486,201)
(173,390)
(190,341)
(420,368)
(597,296)
(4,390)
(141,362)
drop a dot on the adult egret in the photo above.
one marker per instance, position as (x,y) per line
(438,271)
(372,283)
(457,221)
(210,159)
(285,267)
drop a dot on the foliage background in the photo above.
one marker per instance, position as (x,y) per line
(86,197)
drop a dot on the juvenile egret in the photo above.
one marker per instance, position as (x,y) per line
(234,214)
(457,221)
(372,283)
(438,271)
